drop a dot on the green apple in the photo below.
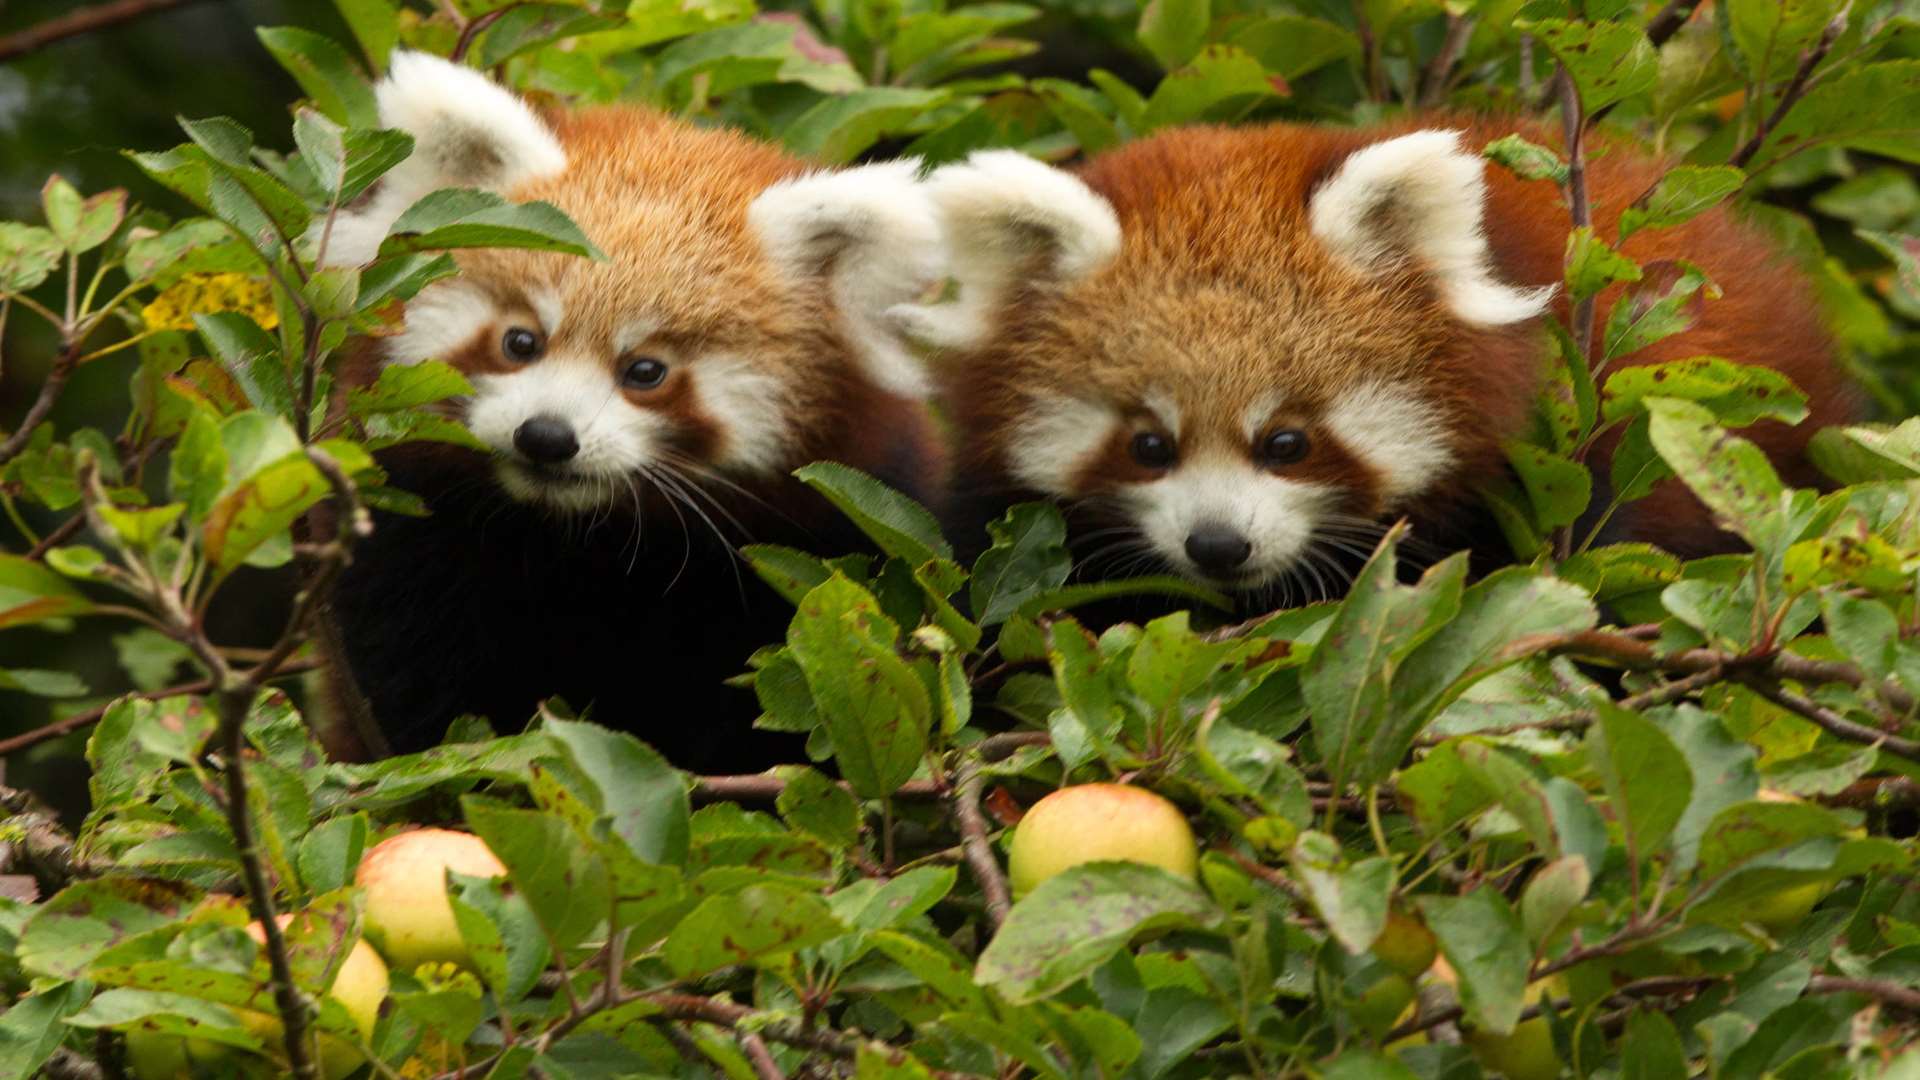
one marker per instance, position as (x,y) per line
(1094,822)
(1528,1052)
(1384,1005)
(359,986)
(1405,945)
(404,878)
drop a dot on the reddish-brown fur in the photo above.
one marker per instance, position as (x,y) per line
(1217,257)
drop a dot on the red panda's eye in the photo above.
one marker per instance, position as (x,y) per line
(1285,447)
(1152,449)
(644,374)
(521,344)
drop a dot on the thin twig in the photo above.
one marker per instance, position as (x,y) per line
(43,402)
(762,1058)
(1436,76)
(1796,87)
(84,21)
(766,787)
(60,534)
(1574,122)
(1835,724)
(1902,997)
(1371,72)
(973,839)
(44,843)
(474,29)
(1668,21)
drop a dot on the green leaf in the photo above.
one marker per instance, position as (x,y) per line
(871,704)
(165,1013)
(1867,452)
(1592,265)
(1554,892)
(29,593)
(643,797)
(1348,680)
(28,256)
(1651,1048)
(458,218)
(1527,160)
(149,256)
(1609,61)
(1636,466)
(1084,112)
(548,864)
(330,852)
(1351,898)
(1769,35)
(1028,558)
(1683,194)
(1747,830)
(841,127)
(1669,300)
(1724,773)
(33,1027)
(375,24)
(896,524)
(1731,475)
(756,923)
(1068,597)
(1557,487)
(409,386)
(819,807)
(525,27)
(325,73)
(1871,107)
(1736,394)
(1646,777)
(1482,938)
(260,509)
(82,921)
(1222,82)
(1290,46)
(1078,919)
(78,224)
(502,934)
(1173,30)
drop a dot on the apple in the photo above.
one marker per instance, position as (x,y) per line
(359,986)
(1405,945)
(1528,1052)
(1384,1005)
(404,877)
(1093,822)
(1778,911)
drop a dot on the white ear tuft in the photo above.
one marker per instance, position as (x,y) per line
(1420,198)
(468,131)
(873,233)
(1008,219)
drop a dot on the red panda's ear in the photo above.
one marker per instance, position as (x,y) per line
(872,234)
(1009,220)
(1419,200)
(468,132)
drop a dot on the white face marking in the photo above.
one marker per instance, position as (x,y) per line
(546,304)
(1055,439)
(439,320)
(616,439)
(1275,515)
(1165,410)
(751,408)
(632,334)
(1397,433)
(1255,416)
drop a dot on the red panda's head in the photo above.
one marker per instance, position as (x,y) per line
(1248,346)
(741,300)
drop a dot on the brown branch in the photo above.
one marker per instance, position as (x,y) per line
(1904,998)
(973,839)
(44,843)
(92,716)
(1434,79)
(1574,121)
(43,403)
(474,29)
(1269,875)
(1796,87)
(756,1050)
(61,533)
(1371,71)
(841,1044)
(1668,21)
(766,787)
(1834,724)
(84,21)
(66,1064)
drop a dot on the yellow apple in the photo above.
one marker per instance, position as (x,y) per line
(359,986)
(404,877)
(1093,822)
(1405,945)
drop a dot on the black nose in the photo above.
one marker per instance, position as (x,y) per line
(546,440)
(1217,548)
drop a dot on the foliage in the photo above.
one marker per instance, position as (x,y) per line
(1665,809)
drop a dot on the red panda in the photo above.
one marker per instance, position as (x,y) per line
(642,414)
(1243,352)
